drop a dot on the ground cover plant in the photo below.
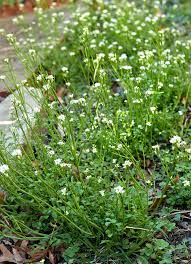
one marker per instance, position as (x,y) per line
(104,175)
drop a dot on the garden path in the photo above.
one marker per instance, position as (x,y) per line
(7,52)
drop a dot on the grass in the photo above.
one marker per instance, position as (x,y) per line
(107,165)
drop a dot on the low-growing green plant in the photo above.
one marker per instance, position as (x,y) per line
(110,144)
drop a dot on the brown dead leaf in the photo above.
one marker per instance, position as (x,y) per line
(187,117)
(184,100)
(17,256)
(157,201)
(12,257)
(39,255)
(51,257)
(3,95)
(61,92)
(22,246)
(2,197)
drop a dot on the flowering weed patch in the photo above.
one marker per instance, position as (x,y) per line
(106,170)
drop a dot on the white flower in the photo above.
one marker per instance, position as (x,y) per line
(126,164)
(72,53)
(148,124)
(4,168)
(123,57)
(17,152)
(78,101)
(68,84)
(186,183)
(60,143)
(94,150)
(64,164)
(188,150)
(39,77)
(119,189)
(61,117)
(51,152)
(2,77)
(156,147)
(36,109)
(6,60)
(102,192)
(32,52)
(153,109)
(64,191)
(65,69)
(100,55)
(99,180)
(175,140)
(50,77)
(119,146)
(10,36)
(126,67)
(96,85)
(2,30)
(86,150)
(46,87)
(149,92)
(58,161)
(15,20)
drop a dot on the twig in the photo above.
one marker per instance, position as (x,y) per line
(181,212)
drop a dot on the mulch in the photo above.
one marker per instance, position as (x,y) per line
(7,10)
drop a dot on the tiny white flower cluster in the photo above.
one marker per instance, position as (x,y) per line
(119,190)
(186,183)
(153,109)
(2,77)
(61,117)
(65,70)
(62,164)
(126,164)
(80,101)
(102,193)
(10,38)
(32,52)
(177,140)
(63,191)
(51,152)
(4,168)
(126,67)
(17,152)
(46,87)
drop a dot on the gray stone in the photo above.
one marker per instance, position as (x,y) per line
(14,129)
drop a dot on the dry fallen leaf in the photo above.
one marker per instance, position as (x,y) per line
(51,257)
(2,197)
(11,257)
(38,255)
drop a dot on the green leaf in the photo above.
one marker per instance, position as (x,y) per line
(71,251)
(161,243)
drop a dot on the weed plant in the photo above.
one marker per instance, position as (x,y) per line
(108,160)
